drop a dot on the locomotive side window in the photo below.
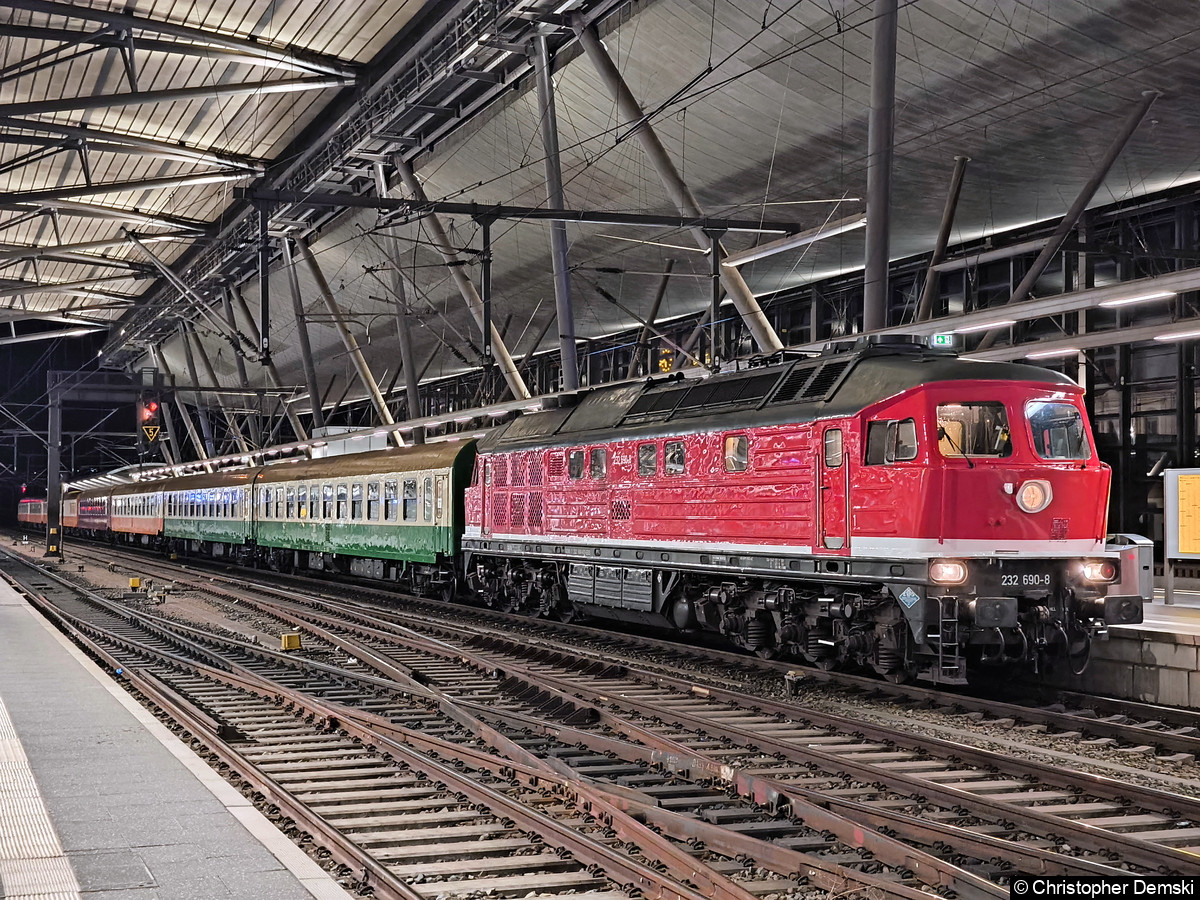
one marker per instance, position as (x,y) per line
(575,464)
(674,458)
(833,448)
(1058,431)
(597,462)
(390,505)
(373,501)
(891,441)
(967,430)
(737,453)
(356,501)
(343,495)
(410,500)
(647,460)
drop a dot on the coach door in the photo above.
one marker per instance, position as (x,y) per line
(832,492)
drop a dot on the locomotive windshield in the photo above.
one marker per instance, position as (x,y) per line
(1058,431)
(973,430)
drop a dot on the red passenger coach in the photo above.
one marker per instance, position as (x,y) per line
(893,507)
(32,513)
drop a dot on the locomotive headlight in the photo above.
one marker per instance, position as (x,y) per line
(1034,496)
(947,571)
(1100,571)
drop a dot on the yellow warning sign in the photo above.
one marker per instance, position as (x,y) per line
(151,432)
(1189,514)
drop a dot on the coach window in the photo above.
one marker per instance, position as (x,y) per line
(737,453)
(410,500)
(302,501)
(390,501)
(833,448)
(439,500)
(314,500)
(279,503)
(343,502)
(356,501)
(327,502)
(647,460)
(290,493)
(674,458)
(575,464)
(428,499)
(373,501)
(597,462)
(264,503)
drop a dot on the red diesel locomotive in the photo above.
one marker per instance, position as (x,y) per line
(893,507)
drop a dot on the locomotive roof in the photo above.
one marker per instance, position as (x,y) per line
(830,385)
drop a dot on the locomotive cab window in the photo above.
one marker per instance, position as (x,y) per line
(1058,431)
(647,460)
(968,430)
(674,458)
(891,441)
(737,453)
(597,462)
(575,465)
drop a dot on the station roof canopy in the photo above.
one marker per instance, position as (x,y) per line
(127,130)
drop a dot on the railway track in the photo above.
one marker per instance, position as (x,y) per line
(1144,733)
(420,801)
(737,769)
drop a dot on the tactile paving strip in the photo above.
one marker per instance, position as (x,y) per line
(32,865)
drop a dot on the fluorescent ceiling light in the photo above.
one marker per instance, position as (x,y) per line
(1050,354)
(986,326)
(830,229)
(1138,298)
(1182,336)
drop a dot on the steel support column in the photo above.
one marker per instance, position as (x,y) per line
(240,361)
(211,374)
(272,372)
(1054,244)
(210,447)
(348,339)
(880,138)
(310,369)
(54,472)
(558,230)
(643,342)
(408,360)
(516,384)
(161,362)
(930,291)
(631,111)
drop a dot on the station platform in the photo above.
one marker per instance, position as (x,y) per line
(1157,661)
(100,801)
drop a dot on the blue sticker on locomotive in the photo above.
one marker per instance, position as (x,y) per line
(909,597)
